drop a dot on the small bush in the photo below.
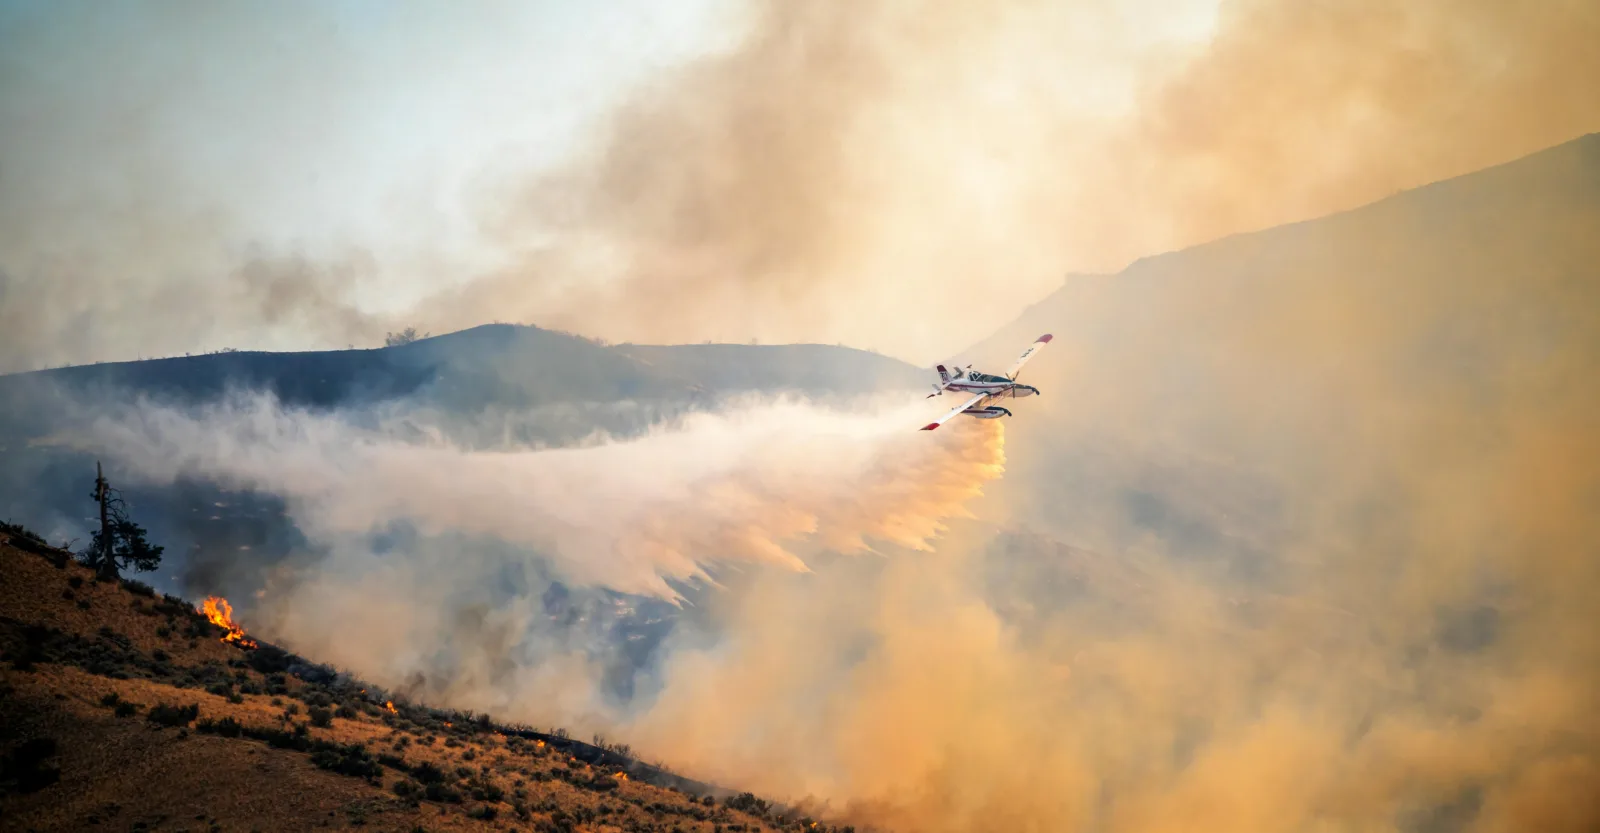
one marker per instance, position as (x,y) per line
(126,710)
(292,709)
(394,762)
(110,700)
(165,715)
(75,582)
(163,631)
(321,718)
(428,773)
(469,755)
(279,739)
(484,812)
(345,712)
(407,789)
(83,604)
(349,759)
(441,793)
(226,727)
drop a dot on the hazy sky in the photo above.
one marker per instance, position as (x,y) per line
(315,128)
(162,155)
(896,175)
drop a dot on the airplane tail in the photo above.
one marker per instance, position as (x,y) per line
(944,375)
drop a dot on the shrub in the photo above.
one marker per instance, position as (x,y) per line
(226,727)
(442,793)
(321,718)
(394,762)
(125,709)
(407,789)
(345,712)
(428,773)
(75,582)
(747,802)
(110,700)
(279,739)
(349,759)
(484,812)
(165,715)
(483,789)
(83,604)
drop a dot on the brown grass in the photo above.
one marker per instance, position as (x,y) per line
(125,773)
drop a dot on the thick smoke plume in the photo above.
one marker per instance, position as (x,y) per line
(724,488)
(858,172)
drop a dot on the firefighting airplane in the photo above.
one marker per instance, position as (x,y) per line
(984,388)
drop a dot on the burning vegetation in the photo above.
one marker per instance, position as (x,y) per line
(220,613)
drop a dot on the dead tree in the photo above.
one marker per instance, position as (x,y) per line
(120,542)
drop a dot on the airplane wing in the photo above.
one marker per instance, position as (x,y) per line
(958,409)
(1026,355)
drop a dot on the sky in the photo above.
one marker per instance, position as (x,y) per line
(898,176)
(152,151)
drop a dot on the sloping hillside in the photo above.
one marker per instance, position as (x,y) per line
(126,710)
(1276,359)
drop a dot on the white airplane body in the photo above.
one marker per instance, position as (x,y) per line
(984,387)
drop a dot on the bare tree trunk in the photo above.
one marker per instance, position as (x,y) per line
(108,565)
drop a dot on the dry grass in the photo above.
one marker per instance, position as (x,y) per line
(86,662)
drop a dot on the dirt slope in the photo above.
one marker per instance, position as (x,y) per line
(94,735)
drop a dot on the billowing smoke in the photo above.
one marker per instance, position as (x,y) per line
(714,488)
(893,175)
(429,566)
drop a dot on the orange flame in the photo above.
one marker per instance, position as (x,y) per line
(389,704)
(220,613)
(622,776)
(541,744)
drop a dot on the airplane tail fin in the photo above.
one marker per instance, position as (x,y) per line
(944,375)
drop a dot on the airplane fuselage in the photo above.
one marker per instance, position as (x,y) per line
(1004,388)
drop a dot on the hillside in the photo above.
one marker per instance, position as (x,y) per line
(504,365)
(484,387)
(93,735)
(1265,365)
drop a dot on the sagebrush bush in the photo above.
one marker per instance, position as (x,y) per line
(165,715)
